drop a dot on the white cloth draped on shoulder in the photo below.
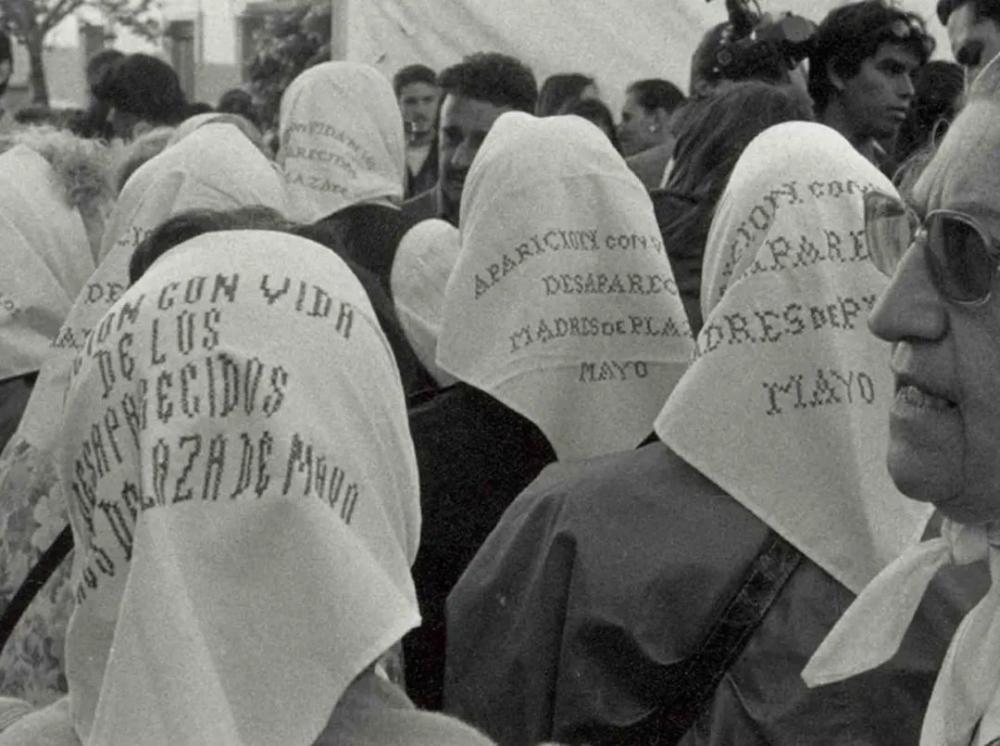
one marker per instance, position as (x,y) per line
(420,270)
(215,167)
(786,405)
(243,494)
(563,304)
(46,260)
(342,140)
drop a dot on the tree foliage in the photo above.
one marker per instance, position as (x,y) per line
(24,17)
(30,21)
(289,42)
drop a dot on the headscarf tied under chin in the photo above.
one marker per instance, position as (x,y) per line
(965,703)
(243,494)
(46,259)
(342,140)
(563,304)
(786,405)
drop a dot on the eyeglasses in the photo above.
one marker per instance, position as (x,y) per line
(961,255)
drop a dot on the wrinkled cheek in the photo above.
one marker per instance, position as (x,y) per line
(981,469)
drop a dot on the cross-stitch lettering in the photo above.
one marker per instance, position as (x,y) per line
(827,386)
(550,241)
(600,283)
(321,155)
(768,326)
(612,370)
(311,300)
(546,330)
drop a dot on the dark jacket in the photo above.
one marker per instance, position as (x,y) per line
(684,223)
(430,204)
(337,232)
(364,234)
(427,177)
(474,455)
(583,611)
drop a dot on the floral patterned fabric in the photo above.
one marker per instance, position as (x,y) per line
(32,513)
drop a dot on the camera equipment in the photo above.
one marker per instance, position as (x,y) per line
(758,45)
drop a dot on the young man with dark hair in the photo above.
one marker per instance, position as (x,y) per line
(418,96)
(859,72)
(143,92)
(476,92)
(973,30)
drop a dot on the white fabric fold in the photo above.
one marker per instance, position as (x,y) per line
(46,259)
(423,263)
(215,167)
(243,494)
(871,630)
(563,304)
(786,404)
(342,140)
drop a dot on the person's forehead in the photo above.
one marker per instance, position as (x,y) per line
(470,113)
(966,184)
(417,89)
(897,53)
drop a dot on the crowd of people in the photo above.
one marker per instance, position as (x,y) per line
(448,410)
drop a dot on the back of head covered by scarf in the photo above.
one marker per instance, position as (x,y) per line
(423,263)
(965,704)
(46,260)
(563,304)
(342,140)
(786,404)
(215,167)
(243,497)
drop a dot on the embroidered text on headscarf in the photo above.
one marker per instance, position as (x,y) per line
(215,167)
(786,292)
(562,303)
(342,139)
(46,260)
(964,706)
(204,380)
(198,449)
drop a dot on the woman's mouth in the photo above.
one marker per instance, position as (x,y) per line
(920,398)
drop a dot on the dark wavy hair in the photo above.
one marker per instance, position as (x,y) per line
(597,113)
(144,86)
(852,33)
(496,78)
(559,90)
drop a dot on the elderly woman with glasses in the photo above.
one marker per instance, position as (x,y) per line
(942,315)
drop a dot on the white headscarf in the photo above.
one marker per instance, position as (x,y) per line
(244,498)
(46,259)
(192,124)
(965,705)
(563,305)
(215,167)
(786,406)
(420,271)
(342,140)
